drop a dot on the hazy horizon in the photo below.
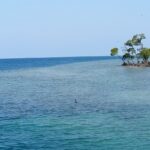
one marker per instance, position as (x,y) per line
(67,28)
(55,57)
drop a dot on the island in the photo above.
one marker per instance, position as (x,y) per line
(134,52)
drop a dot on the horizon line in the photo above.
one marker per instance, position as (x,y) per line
(55,57)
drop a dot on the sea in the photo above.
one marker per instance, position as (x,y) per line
(73,103)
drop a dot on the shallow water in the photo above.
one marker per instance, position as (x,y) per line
(38,109)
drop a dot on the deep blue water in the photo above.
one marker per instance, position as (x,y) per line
(7,64)
(38,109)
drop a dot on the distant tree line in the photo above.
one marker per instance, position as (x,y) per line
(134,52)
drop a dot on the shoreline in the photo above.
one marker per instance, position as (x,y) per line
(136,65)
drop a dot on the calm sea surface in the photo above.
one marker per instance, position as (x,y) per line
(83,103)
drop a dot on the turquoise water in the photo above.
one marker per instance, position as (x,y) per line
(38,109)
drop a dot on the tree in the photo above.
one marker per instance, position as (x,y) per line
(134,52)
(114,51)
(145,54)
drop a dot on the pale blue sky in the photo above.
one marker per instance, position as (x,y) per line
(47,28)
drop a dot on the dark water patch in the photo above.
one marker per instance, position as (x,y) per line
(22,63)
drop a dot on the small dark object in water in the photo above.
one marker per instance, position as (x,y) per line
(75,101)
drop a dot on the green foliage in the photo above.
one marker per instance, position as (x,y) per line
(114,51)
(134,50)
(137,39)
(131,50)
(127,57)
(129,43)
(145,54)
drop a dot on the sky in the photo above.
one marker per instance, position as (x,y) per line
(58,28)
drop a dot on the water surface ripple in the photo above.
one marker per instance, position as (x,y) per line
(38,109)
